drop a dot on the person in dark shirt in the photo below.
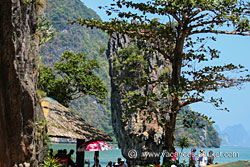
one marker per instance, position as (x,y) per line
(123,164)
(70,161)
(210,160)
(64,153)
(96,163)
(59,154)
(109,164)
(119,161)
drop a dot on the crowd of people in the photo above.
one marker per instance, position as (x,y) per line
(120,163)
(63,155)
(202,158)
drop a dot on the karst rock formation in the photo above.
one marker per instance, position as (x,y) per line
(19,105)
(136,136)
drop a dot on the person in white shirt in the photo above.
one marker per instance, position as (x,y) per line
(202,158)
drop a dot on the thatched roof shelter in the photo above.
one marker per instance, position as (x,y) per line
(62,122)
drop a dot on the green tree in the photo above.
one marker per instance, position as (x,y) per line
(71,78)
(183,42)
(183,143)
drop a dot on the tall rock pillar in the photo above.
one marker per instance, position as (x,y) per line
(19,106)
(141,141)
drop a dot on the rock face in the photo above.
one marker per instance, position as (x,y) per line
(19,106)
(136,136)
(198,137)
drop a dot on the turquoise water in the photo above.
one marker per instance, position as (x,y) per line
(104,156)
(223,154)
(226,154)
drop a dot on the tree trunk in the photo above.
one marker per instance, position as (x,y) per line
(170,137)
(175,82)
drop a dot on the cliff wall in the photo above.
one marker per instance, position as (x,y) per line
(19,106)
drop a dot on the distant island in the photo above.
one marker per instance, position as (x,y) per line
(235,135)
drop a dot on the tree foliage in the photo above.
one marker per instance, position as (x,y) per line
(182,41)
(71,78)
(45,30)
(183,143)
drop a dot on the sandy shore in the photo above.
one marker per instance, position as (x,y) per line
(233,164)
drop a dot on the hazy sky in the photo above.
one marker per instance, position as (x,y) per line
(234,49)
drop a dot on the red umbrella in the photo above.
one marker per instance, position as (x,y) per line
(94,146)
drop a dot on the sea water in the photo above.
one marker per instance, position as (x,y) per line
(222,154)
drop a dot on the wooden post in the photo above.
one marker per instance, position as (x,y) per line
(79,155)
(96,156)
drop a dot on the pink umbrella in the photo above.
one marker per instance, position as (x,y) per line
(94,146)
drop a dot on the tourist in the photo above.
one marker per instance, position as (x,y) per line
(202,159)
(123,164)
(130,163)
(115,164)
(109,164)
(119,161)
(174,155)
(96,163)
(210,160)
(64,153)
(192,160)
(70,161)
(59,154)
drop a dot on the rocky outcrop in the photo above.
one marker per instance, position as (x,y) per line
(136,135)
(198,137)
(19,107)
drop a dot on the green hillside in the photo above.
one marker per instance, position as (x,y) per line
(81,39)
(78,39)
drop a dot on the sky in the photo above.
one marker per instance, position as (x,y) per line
(234,49)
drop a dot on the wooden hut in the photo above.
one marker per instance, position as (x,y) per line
(63,123)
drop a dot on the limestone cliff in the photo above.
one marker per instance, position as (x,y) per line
(19,107)
(198,137)
(135,135)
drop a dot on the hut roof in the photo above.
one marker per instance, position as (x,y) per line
(62,122)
